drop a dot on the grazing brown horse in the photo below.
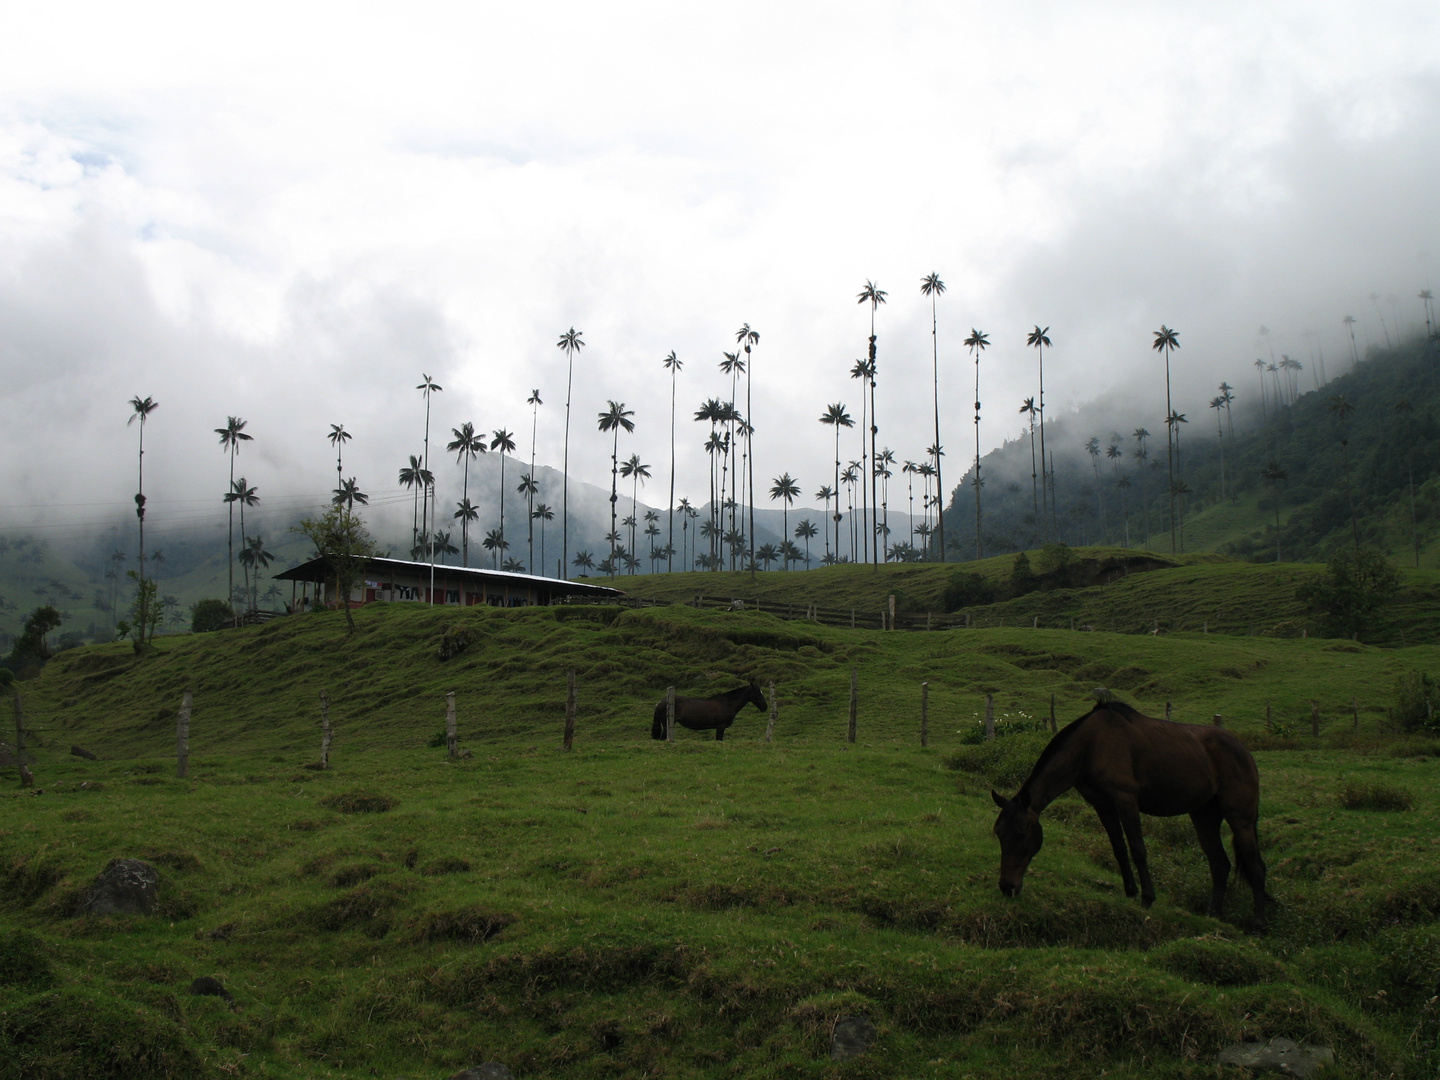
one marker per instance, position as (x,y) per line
(707,713)
(1125,764)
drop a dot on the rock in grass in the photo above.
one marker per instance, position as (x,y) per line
(1280,1055)
(124,887)
(486,1070)
(851,1037)
(207,986)
(81,752)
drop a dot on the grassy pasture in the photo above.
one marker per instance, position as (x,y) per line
(631,909)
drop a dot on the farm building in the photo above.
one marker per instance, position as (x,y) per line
(394,580)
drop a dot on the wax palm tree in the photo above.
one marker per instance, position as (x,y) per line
(637,474)
(1229,399)
(849,478)
(1092,447)
(465,513)
(338,438)
(542,513)
(415,476)
(673,365)
(836,417)
(805,530)
(1273,474)
(1217,403)
(1039,338)
(570,342)
(863,370)
(494,543)
(977,343)
(534,402)
(1341,409)
(767,554)
(243,494)
(1179,487)
(1375,300)
(346,495)
(428,387)
(513,566)
(583,560)
(1407,414)
(614,420)
(1165,341)
(874,296)
(748,338)
(231,436)
(1122,482)
(883,461)
(825,494)
(734,366)
(1142,455)
(932,286)
(714,447)
(1259,366)
(910,469)
(140,409)
(256,559)
(1029,409)
(786,489)
(529,488)
(504,441)
(467,444)
(442,545)
(1349,322)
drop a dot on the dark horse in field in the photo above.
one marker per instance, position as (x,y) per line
(1125,764)
(709,713)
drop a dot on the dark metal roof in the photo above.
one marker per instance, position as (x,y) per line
(315,570)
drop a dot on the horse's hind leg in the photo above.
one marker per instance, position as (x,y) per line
(1207,831)
(719,734)
(1110,818)
(1129,813)
(1247,854)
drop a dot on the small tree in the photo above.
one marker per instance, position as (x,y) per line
(1022,576)
(208,615)
(1415,702)
(32,647)
(1352,592)
(145,611)
(341,539)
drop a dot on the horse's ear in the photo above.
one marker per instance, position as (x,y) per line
(1000,800)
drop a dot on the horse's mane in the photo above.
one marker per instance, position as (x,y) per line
(1067,733)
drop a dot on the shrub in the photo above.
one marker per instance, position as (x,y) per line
(1375,797)
(1415,702)
(1022,575)
(209,615)
(1352,592)
(967,590)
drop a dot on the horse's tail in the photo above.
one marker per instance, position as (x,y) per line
(657,725)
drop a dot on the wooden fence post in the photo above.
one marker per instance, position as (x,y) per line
(182,738)
(892,610)
(989,717)
(569,707)
(1218,720)
(26,778)
(670,714)
(1314,718)
(450,739)
(1269,724)
(1355,709)
(854,703)
(325,730)
(924,714)
(1036,624)
(1052,713)
(1167,710)
(774,715)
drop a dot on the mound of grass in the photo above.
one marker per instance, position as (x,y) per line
(1217,962)
(360,802)
(1376,796)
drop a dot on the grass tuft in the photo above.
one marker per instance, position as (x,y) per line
(360,802)
(1376,796)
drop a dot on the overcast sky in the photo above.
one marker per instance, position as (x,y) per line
(290,212)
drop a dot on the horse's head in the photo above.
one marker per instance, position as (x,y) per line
(755,696)
(1020,834)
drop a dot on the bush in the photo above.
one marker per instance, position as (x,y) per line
(1022,575)
(968,590)
(1415,702)
(1352,593)
(209,615)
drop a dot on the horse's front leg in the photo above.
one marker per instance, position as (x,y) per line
(1129,812)
(719,734)
(1111,820)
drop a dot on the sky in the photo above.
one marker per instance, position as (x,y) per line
(290,213)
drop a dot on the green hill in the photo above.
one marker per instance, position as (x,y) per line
(701,909)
